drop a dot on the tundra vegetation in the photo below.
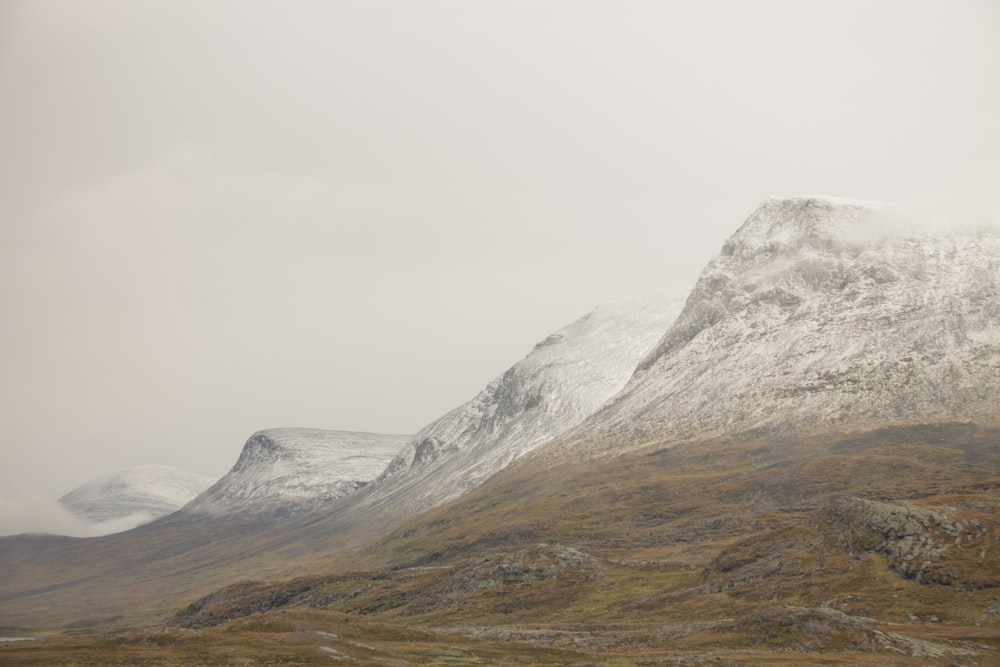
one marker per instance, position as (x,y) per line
(871,548)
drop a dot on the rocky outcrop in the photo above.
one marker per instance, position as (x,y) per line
(914,540)
(507,570)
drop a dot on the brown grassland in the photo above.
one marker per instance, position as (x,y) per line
(877,548)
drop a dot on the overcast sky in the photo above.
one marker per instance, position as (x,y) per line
(218,217)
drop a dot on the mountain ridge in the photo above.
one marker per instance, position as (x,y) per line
(564,378)
(798,326)
(294,470)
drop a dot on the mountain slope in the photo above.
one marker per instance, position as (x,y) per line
(869,547)
(289,470)
(565,378)
(221,535)
(819,315)
(142,492)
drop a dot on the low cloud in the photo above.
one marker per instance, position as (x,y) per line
(970,207)
(43,516)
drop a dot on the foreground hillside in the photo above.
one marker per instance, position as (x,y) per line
(874,548)
(877,544)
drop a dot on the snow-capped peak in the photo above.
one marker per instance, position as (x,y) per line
(295,469)
(797,222)
(818,315)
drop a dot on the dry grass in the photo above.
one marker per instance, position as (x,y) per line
(737,553)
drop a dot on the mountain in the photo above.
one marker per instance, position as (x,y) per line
(291,474)
(804,469)
(139,493)
(821,315)
(563,380)
(281,471)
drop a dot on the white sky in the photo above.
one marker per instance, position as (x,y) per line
(217,217)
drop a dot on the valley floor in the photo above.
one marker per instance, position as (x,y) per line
(312,638)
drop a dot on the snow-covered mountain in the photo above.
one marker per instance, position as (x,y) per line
(564,379)
(135,495)
(821,315)
(289,470)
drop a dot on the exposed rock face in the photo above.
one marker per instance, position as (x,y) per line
(820,315)
(804,629)
(295,470)
(143,492)
(913,539)
(565,378)
(498,570)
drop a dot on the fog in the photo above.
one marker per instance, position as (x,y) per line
(32,513)
(227,216)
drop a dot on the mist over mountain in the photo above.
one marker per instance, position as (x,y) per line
(820,315)
(134,495)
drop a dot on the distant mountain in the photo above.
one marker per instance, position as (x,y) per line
(142,492)
(564,379)
(287,470)
(821,315)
